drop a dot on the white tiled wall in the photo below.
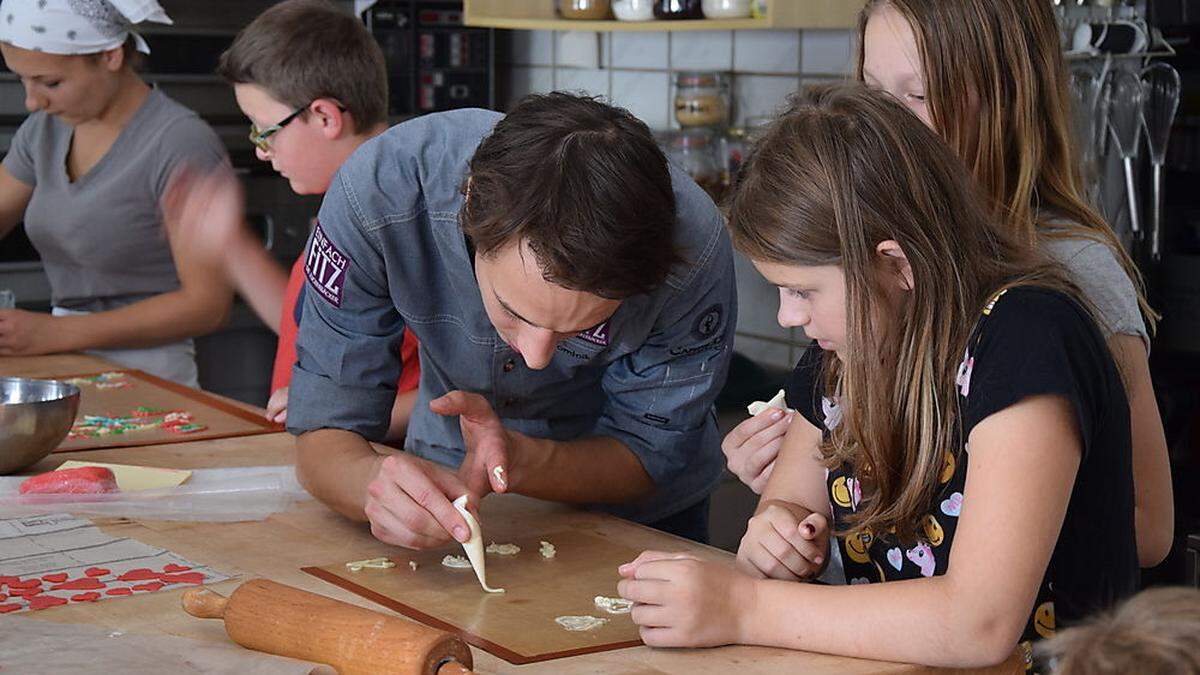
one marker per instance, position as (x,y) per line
(634,70)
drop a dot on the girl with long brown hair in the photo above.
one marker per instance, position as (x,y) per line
(962,427)
(989,77)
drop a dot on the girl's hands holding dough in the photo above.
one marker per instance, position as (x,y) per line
(485,467)
(751,447)
(409,503)
(682,601)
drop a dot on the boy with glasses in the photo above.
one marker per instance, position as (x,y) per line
(313,82)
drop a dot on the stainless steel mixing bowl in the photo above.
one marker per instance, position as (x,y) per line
(35,416)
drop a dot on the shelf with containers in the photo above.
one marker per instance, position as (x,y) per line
(544,15)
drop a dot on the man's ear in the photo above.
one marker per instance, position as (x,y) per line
(892,257)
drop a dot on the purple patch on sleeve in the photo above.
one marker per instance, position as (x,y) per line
(325,268)
(597,336)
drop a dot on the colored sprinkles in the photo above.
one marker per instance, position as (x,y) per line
(103,381)
(142,418)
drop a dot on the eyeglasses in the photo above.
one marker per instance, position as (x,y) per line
(259,138)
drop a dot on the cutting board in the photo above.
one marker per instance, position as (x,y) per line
(518,625)
(221,419)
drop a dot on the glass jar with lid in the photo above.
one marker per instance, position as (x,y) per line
(695,152)
(678,9)
(733,150)
(585,10)
(702,99)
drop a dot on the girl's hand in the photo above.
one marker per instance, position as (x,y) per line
(751,447)
(785,541)
(277,406)
(682,601)
(28,333)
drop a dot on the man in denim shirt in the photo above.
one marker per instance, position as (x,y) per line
(575,302)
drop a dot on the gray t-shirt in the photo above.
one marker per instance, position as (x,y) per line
(1095,269)
(101,238)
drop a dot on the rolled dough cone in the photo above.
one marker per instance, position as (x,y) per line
(474,545)
(778,401)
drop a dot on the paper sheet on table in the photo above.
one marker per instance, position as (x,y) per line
(43,647)
(83,564)
(132,478)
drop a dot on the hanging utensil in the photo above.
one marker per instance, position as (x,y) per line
(1125,125)
(1161,86)
(1085,86)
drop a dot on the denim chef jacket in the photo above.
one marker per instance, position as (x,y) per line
(389,255)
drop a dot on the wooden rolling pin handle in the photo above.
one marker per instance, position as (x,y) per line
(204,604)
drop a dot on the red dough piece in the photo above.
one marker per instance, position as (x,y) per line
(172,567)
(86,480)
(45,601)
(84,584)
(184,578)
(3,597)
(10,607)
(56,578)
(24,592)
(6,580)
(119,591)
(152,586)
(26,583)
(96,572)
(86,597)
(139,574)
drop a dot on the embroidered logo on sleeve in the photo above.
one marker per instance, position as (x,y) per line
(325,268)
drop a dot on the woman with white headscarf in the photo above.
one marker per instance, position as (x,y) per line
(88,171)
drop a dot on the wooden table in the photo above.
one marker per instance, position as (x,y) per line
(311,534)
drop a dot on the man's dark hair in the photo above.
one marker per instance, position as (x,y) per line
(585,185)
(302,50)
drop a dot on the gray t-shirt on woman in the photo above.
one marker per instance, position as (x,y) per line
(1095,269)
(101,237)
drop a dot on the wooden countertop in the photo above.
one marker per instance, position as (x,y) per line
(311,534)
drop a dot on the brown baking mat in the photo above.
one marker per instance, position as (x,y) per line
(518,625)
(221,418)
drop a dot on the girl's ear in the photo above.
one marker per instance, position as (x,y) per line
(113,60)
(892,257)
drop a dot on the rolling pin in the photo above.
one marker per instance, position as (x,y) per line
(286,621)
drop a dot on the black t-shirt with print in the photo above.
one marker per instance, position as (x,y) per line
(1029,341)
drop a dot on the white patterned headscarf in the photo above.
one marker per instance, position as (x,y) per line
(76,26)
